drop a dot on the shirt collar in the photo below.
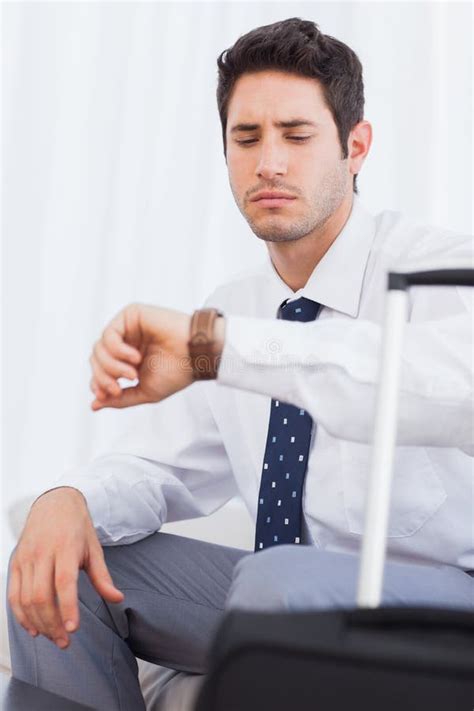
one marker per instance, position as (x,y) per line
(337,280)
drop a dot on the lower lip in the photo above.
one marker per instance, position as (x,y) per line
(274,202)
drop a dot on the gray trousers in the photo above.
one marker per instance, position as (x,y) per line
(176,591)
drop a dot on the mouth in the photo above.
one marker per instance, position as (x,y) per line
(274,202)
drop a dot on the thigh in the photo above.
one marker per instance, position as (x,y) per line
(174,588)
(292,577)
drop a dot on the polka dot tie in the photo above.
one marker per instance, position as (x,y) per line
(285,461)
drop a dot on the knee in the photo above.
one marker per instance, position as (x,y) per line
(290,577)
(260,581)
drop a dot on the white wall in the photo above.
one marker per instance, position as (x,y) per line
(109,117)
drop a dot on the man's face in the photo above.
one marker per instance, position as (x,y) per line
(273,158)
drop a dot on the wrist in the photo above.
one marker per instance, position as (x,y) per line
(72,491)
(206,342)
(219,337)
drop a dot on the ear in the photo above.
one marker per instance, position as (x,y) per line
(358,145)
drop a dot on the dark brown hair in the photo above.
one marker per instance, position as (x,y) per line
(298,47)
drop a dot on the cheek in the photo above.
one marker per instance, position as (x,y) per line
(237,176)
(317,167)
(308,174)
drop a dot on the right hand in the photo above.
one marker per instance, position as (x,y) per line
(57,541)
(143,342)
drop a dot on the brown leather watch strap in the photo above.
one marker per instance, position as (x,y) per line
(204,360)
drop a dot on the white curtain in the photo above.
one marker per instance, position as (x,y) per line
(115,189)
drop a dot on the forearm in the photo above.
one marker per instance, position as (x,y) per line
(331,369)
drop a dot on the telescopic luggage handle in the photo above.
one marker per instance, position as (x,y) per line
(385,431)
(436,277)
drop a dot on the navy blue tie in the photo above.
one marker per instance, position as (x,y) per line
(279,513)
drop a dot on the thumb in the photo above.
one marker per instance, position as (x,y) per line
(101,579)
(128,398)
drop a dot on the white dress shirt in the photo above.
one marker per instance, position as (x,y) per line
(188,455)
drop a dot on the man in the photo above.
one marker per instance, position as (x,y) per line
(291,106)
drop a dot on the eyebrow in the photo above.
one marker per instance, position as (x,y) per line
(292,123)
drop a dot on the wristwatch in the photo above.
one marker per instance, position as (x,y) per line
(201,344)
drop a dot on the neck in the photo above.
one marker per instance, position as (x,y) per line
(296,260)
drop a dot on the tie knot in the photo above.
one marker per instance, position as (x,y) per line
(301,309)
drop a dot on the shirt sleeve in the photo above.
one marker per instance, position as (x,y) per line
(330,368)
(170,464)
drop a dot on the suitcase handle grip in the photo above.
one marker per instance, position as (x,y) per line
(437,277)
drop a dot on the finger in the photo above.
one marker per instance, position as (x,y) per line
(100,577)
(127,324)
(111,366)
(129,398)
(44,599)
(104,381)
(26,598)
(99,404)
(65,581)
(99,393)
(115,344)
(14,601)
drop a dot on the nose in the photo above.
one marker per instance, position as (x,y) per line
(272,160)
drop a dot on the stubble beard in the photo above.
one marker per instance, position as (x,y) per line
(279,227)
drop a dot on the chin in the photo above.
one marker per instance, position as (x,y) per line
(279,238)
(276,235)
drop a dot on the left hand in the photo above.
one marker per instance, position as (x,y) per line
(141,342)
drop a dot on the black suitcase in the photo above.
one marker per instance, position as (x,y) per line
(371,658)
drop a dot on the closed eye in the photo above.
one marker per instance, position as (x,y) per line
(292,138)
